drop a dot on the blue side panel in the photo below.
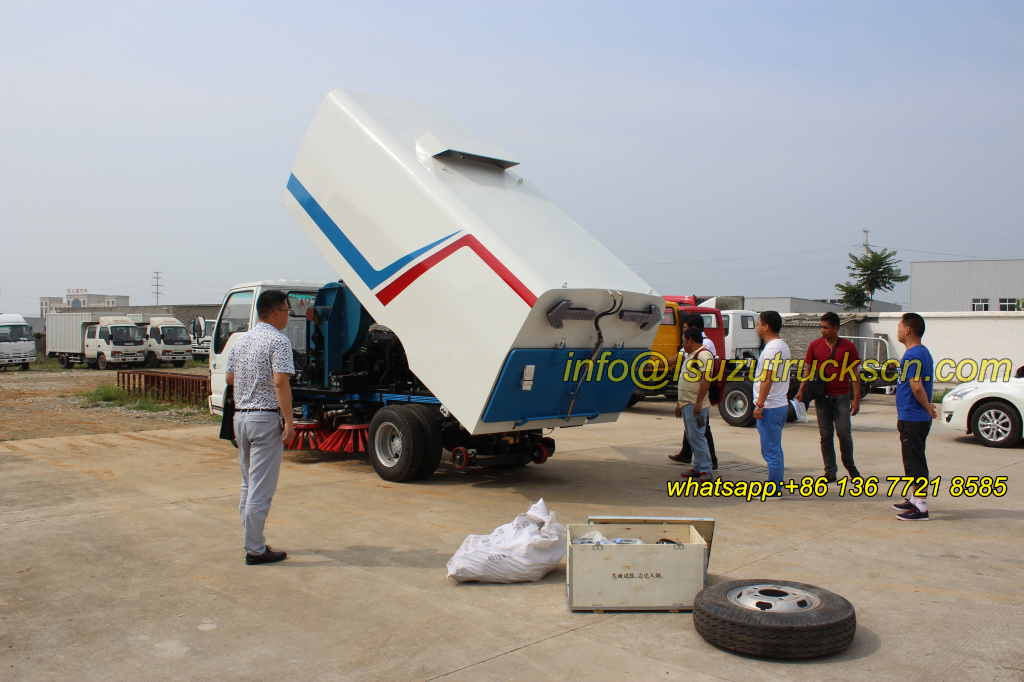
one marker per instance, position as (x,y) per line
(608,389)
(343,326)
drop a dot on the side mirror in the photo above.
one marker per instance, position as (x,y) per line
(198,325)
(147,337)
(38,336)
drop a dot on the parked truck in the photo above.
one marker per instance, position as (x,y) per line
(472,314)
(202,335)
(17,343)
(166,340)
(95,340)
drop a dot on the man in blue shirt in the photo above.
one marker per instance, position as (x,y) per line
(914,413)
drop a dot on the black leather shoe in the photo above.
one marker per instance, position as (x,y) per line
(830,478)
(268,557)
(678,457)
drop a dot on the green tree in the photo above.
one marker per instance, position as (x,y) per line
(853,296)
(874,271)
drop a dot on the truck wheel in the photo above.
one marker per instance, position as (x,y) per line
(774,618)
(178,363)
(737,406)
(152,360)
(101,361)
(396,444)
(25,367)
(63,362)
(995,424)
(432,449)
(637,396)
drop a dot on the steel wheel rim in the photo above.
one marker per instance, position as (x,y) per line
(388,444)
(775,598)
(736,403)
(994,425)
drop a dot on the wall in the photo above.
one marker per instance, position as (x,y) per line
(947,286)
(798,330)
(958,335)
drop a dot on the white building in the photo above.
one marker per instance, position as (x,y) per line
(966,285)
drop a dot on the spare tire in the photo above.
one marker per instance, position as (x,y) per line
(774,618)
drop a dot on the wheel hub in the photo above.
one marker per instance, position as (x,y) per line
(388,444)
(776,598)
(994,425)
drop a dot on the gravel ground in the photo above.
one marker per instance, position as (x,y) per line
(41,404)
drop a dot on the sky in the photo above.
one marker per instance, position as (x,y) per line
(718,148)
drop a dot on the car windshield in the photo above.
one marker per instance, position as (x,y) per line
(15,332)
(122,334)
(174,334)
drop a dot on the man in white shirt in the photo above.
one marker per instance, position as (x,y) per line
(771,385)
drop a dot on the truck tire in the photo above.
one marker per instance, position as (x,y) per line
(63,362)
(995,424)
(637,396)
(432,448)
(737,405)
(774,618)
(152,360)
(24,367)
(101,361)
(396,444)
(178,363)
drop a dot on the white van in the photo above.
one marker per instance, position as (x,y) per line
(17,343)
(166,340)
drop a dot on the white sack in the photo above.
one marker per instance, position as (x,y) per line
(799,410)
(521,551)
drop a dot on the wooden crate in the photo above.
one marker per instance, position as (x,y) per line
(647,577)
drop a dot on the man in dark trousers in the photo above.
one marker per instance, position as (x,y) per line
(834,360)
(685,455)
(259,368)
(914,412)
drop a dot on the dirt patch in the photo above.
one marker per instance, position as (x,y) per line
(41,404)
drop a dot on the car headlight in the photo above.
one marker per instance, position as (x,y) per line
(960,393)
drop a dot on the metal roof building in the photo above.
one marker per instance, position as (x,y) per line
(966,285)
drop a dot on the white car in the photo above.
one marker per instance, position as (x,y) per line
(991,410)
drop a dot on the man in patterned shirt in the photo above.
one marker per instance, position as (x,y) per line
(259,367)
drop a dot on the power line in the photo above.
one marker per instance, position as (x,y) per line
(723,260)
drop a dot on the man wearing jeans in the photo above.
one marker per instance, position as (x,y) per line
(834,360)
(771,385)
(259,367)
(693,388)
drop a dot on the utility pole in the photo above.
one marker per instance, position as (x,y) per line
(865,241)
(157,285)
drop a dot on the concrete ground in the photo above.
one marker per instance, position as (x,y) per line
(122,559)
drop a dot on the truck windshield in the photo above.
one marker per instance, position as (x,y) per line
(175,335)
(15,332)
(125,335)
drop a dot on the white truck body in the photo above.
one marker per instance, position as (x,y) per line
(17,343)
(741,340)
(166,340)
(238,314)
(202,336)
(463,258)
(92,338)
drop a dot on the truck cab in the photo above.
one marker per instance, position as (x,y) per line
(741,340)
(166,340)
(238,314)
(113,340)
(17,343)
(202,336)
